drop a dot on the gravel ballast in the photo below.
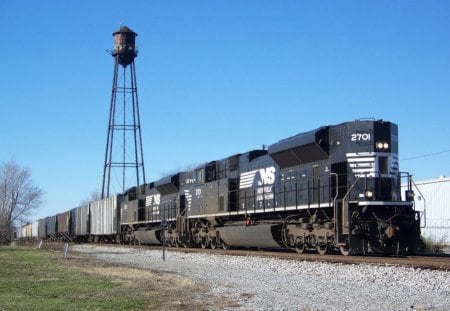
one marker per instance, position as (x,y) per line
(257,283)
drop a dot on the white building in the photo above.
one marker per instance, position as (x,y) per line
(432,197)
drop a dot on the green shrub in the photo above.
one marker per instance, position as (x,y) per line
(433,245)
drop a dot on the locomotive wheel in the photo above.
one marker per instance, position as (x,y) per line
(322,249)
(225,246)
(213,243)
(300,247)
(345,250)
(204,242)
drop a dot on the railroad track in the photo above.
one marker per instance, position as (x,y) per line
(423,261)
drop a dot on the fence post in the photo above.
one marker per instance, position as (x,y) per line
(65,249)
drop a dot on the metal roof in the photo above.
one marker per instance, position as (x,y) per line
(124,29)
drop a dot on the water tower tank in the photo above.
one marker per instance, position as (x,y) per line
(124,45)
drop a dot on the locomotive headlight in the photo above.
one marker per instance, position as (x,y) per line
(368,194)
(379,145)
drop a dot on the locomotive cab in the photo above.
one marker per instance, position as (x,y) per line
(370,213)
(342,183)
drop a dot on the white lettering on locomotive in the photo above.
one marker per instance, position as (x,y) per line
(266,177)
(360,137)
(153,199)
(264,193)
(188,197)
(261,179)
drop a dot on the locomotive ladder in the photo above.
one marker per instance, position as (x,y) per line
(341,221)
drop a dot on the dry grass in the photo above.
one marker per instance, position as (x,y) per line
(34,279)
(166,291)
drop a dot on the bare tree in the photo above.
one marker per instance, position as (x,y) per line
(95,195)
(18,197)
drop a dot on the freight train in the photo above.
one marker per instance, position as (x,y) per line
(333,189)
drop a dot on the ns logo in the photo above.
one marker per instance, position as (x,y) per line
(257,178)
(267,176)
(153,199)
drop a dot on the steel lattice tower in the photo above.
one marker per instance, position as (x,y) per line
(124,158)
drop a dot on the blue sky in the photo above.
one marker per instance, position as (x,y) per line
(217,78)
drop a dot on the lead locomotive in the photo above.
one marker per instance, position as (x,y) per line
(334,188)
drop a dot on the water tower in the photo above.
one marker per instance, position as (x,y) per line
(124,160)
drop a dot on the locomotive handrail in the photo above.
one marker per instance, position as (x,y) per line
(424,203)
(334,201)
(410,183)
(345,198)
(337,188)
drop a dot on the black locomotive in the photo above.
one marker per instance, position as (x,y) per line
(336,188)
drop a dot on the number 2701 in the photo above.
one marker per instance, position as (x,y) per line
(360,137)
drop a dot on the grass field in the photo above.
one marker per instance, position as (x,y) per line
(33,279)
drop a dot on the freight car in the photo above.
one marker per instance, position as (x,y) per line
(336,188)
(79,223)
(98,221)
